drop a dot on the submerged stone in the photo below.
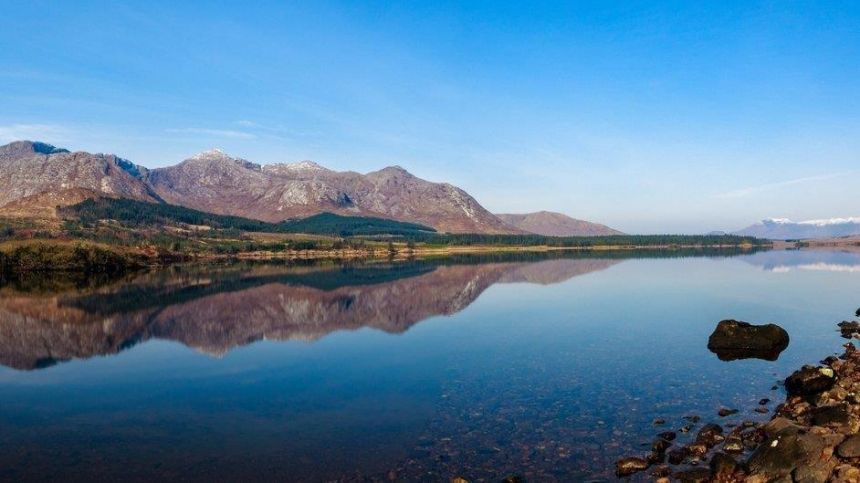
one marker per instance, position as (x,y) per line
(710,434)
(723,412)
(628,466)
(660,445)
(677,456)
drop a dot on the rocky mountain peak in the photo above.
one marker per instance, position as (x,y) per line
(211,154)
(392,171)
(301,167)
(216,155)
(21,148)
(305,165)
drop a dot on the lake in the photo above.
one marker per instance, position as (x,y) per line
(549,367)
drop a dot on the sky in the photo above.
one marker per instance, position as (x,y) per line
(651,117)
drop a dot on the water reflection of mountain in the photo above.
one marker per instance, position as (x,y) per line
(814,260)
(216,310)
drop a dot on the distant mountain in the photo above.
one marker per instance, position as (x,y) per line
(785,229)
(37,177)
(556,224)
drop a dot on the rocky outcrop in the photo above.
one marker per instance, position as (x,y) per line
(556,224)
(733,339)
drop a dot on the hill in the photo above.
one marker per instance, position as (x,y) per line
(556,224)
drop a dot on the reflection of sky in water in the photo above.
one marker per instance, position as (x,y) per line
(549,376)
(785,261)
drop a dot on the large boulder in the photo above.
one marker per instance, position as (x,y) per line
(809,380)
(789,449)
(849,328)
(733,339)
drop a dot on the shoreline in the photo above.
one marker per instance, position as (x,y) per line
(461,250)
(76,255)
(812,436)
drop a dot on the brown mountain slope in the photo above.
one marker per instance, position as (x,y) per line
(37,177)
(44,205)
(213,181)
(33,175)
(217,183)
(556,224)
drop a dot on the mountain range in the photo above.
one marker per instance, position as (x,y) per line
(785,229)
(36,178)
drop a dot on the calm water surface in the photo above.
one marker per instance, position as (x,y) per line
(547,368)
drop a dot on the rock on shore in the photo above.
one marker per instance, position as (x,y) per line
(812,437)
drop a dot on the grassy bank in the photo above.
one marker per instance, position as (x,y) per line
(64,256)
(81,255)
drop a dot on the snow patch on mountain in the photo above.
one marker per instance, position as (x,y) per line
(214,153)
(822,222)
(784,228)
(295,167)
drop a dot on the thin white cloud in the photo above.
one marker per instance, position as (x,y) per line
(752,190)
(274,131)
(49,133)
(220,133)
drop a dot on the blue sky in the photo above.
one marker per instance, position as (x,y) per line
(648,116)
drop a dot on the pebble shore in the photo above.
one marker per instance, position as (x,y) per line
(811,438)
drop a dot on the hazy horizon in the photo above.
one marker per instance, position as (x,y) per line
(650,119)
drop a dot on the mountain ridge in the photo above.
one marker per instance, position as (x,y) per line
(785,229)
(32,174)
